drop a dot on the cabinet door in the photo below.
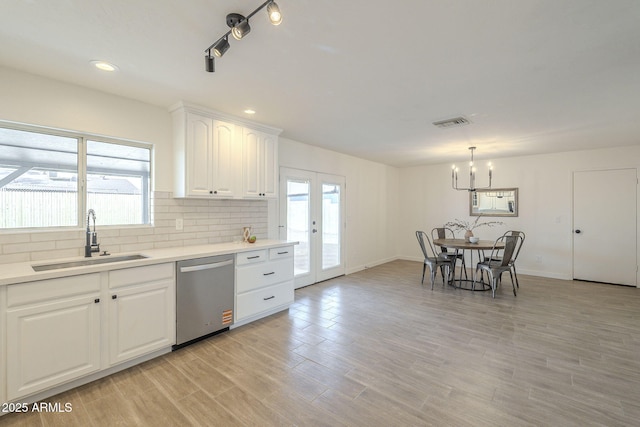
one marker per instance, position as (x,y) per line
(52,343)
(224,169)
(141,320)
(251,164)
(270,166)
(199,154)
(260,164)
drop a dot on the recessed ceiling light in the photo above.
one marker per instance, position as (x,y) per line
(249,111)
(104,66)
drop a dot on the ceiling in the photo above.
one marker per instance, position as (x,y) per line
(362,77)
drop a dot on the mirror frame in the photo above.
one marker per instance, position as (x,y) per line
(479,193)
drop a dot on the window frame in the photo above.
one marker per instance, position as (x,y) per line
(82,138)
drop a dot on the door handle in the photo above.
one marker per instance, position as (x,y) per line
(314,230)
(578,231)
(206,266)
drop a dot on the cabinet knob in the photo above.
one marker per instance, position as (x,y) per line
(210,191)
(97,300)
(114,296)
(215,192)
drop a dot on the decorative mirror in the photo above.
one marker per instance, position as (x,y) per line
(494,202)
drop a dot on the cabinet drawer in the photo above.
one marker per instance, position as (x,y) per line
(283,252)
(51,289)
(264,274)
(137,275)
(254,302)
(251,257)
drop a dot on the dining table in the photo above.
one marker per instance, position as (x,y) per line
(463,245)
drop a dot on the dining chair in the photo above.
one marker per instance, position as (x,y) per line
(513,261)
(448,233)
(431,259)
(497,263)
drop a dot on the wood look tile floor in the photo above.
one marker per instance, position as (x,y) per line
(377,348)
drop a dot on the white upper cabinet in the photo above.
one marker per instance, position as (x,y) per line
(210,152)
(219,156)
(260,164)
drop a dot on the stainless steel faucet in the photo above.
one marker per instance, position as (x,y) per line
(92,244)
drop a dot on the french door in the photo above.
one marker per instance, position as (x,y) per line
(312,212)
(604,226)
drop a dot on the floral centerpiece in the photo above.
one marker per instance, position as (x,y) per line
(468,226)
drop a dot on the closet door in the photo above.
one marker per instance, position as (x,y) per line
(604,226)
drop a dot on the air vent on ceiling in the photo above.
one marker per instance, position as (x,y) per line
(456,121)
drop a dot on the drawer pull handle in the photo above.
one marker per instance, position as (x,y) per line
(97,300)
(271,297)
(282,253)
(268,274)
(253,257)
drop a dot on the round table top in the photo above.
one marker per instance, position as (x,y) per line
(463,244)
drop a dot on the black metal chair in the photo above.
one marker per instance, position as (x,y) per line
(432,260)
(447,233)
(497,263)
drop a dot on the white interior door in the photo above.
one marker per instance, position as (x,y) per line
(312,212)
(604,226)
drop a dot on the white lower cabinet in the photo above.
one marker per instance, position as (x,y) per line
(141,311)
(60,330)
(66,331)
(53,333)
(264,283)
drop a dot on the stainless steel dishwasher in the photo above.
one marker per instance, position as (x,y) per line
(204,297)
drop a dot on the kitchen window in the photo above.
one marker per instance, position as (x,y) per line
(50,180)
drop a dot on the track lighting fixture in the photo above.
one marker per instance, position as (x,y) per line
(221,47)
(209,62)
(240,27)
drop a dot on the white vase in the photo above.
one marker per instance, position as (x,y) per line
(246,233)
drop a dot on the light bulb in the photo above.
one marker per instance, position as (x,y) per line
(274,13)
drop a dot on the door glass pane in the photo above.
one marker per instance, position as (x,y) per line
(38,180)
(298,210)
(330,226)
(118,183)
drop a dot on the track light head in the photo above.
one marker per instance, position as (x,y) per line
(241,29)
(209,63)
(275,17)
(221,47)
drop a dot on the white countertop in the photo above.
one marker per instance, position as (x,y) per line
(23,272)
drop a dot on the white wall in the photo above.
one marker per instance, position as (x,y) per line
(545,203)
(385,205)
(35,100)
(371,198)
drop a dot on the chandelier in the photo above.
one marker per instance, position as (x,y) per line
(472,176)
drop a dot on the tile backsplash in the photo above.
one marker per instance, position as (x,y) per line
(204,222)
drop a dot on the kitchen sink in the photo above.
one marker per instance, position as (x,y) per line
(88,261)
